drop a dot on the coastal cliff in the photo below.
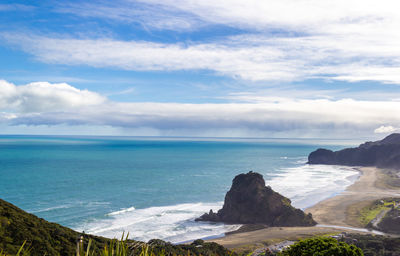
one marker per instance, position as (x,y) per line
(249,201)
(383,153)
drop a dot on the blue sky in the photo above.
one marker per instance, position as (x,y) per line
(200,68)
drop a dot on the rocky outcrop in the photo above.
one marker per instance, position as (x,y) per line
(249,201)
(383,153)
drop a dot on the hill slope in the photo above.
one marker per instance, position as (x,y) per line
(46,238)
(383,153)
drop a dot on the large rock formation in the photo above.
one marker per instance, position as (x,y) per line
(249,201)
(383,153)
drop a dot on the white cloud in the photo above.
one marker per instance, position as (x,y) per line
(295,15)
(386,129)
(44,97)
(245,57)
(254,63)
(309,16)
(287,40)
(39,104)
(146,14)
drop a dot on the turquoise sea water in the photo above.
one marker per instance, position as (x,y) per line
(152,187)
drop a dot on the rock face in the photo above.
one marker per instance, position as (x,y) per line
(249,201)
(383,153)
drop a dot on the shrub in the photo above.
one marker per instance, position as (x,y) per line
(321,246)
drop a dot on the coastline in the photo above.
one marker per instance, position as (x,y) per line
(334,215)
(341,210)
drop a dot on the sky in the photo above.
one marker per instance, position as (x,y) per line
(205,68)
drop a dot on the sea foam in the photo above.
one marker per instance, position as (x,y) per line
(172,223)
(307,185)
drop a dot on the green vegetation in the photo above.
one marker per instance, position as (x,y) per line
(198,247)
(124,248)
(43,237)
(374,245)
(321,246)
(367,214)
(22,251)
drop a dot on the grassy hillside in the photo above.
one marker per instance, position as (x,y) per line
(17,226)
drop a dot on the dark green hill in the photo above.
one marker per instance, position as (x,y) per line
(46,238)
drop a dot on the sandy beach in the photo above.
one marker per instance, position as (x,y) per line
(340,210)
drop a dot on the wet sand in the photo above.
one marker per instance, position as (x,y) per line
(342,209)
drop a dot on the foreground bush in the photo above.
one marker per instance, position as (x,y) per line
(123,248)
(321,246)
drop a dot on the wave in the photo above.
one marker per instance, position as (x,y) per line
(174,223)
(72,204)
(123,210)
(48,209)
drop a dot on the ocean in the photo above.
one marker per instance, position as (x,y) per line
(154,187)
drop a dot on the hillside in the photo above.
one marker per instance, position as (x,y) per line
(46,238)
(383,153)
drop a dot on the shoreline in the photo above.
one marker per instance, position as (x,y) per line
(341,210)
(334,215)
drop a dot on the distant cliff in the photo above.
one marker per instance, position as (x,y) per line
(249,201)
(383,153)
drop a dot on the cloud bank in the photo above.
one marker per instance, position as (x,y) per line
(42,103)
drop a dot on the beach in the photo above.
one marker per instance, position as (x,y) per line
(342,209)
(339,211)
